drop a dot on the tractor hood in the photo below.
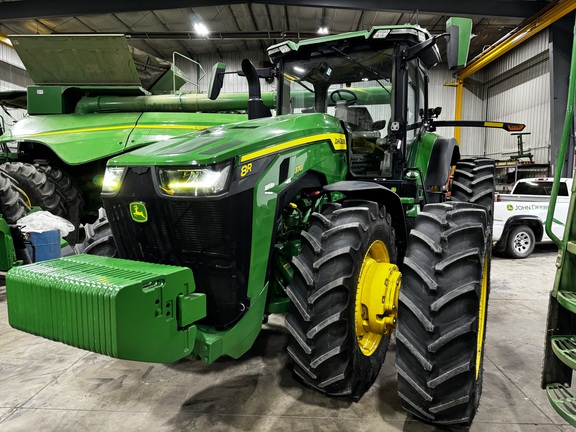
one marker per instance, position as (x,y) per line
(247,140)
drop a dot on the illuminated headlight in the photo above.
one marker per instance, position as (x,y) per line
(194,181)
(112,179)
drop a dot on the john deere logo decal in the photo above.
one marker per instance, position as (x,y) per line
(509,207)
(138,212)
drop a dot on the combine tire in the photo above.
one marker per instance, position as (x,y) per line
(12,201)
(474,182)
(442,313)
(98,239)
(37,185)
(70,196)
(344,256)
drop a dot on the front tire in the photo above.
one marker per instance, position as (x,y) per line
(521,242)
(332,341)
(442,313)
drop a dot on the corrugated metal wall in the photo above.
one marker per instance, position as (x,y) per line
(523,98)
(517,89)
(12,77)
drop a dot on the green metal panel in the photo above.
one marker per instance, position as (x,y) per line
(78,139)
(421,150)
(124,309)
(462,29)
(46,100)
(157,127)
(77,59)
(231,140)
(7,252)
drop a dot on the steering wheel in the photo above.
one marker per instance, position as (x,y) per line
(340,93)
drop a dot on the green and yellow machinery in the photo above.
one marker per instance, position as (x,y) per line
(95,97)
(334,212)
(560,344)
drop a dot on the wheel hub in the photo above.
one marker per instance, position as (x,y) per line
(521,242)
(376,298)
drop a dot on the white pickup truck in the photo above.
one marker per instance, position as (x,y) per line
(519,217)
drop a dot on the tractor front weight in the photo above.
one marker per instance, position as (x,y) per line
(124,309)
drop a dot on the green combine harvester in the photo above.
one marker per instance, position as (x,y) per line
(94,97)
(560,345)
(334,212)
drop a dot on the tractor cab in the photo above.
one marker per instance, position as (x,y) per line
(375,82)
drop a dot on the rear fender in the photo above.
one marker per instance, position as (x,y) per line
(445,154)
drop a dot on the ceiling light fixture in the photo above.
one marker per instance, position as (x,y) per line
(201,29)
(323,30)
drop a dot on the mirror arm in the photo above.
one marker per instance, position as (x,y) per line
(413,52)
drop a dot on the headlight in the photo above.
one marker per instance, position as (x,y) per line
(194,181)
(112,179)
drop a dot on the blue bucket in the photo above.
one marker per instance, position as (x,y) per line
(47,245)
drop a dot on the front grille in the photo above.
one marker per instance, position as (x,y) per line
(210,236)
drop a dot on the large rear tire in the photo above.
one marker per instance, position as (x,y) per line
(442,313)
(332,341)
(70,197)
(37,185)
(98,238)
(474,182)
(13,205)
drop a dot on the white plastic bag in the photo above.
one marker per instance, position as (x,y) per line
(45,221)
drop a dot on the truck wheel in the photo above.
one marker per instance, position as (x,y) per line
(98,239)
(70,196)
(12,202)
(442,313)
(38,186)
(344,298)
(474,182)
(521,242)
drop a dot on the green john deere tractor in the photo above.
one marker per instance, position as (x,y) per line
(334,212)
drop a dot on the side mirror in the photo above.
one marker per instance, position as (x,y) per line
(459,32)
(216,80)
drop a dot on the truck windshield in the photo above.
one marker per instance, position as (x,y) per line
(538,188)
(354,87)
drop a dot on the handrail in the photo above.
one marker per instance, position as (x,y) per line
(563,145)
(197,83)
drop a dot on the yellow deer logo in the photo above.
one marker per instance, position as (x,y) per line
(138,212)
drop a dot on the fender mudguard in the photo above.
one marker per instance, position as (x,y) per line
(445,154)
(370,191)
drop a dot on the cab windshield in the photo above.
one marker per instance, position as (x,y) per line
(357,89)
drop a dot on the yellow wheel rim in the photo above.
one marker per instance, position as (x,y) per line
(376,298)
(482,315)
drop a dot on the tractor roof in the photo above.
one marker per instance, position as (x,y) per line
(376,36)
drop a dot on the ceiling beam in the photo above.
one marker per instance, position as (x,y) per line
(35,9)
(216,36)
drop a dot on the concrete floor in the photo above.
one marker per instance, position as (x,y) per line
(47,386)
